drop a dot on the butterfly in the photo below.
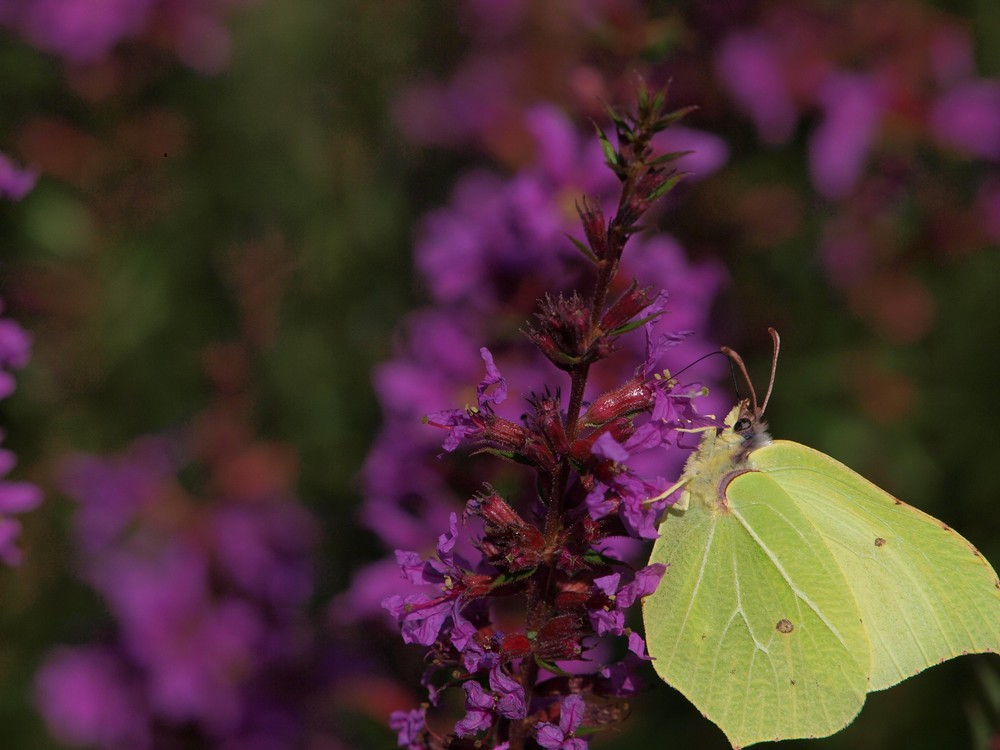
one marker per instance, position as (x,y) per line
(795,586)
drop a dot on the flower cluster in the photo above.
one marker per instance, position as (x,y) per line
(85,32)
(514,618)
(901,136)
(208,597)
(891,117)
(15,496)
(484,259)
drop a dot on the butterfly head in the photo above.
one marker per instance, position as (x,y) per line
(747,420)
(750,426)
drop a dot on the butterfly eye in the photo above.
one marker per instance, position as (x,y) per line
(742,424)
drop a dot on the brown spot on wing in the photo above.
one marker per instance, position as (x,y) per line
(879,541)
(784,626)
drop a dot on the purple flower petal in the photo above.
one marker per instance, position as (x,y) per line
(510,701)
(410,726)
(493,378)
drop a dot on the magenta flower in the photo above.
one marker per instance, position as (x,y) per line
(482,707)
(560,737)
(610,618)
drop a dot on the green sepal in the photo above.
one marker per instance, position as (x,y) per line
(505,578)
(632,325)
(583,249)
(669,157)
(551,667)
(610,155)
(669,119)
(667,186)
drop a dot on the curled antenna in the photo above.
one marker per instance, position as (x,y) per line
(758,410)
(746,376)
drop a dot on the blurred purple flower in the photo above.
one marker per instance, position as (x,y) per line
(750,66)
(967,119)
(82,30)
(88,696)
(15,496)
(15,183)
(838,147)
(709,152)
(951,54)
(86,31)
(208,600)
(459,112)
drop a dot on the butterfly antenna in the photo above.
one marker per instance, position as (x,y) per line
(692,364)
(736,383)
(774,366)
(746,376)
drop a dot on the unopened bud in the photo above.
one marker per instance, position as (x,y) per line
(630,398)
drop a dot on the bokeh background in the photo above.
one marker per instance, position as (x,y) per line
(266,237)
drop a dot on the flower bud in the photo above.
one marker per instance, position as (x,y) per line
(594,227)
(515,646)
(560,638)
(628,306)
(631,398)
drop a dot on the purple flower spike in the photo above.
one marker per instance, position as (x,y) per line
(601,446)
(561,737)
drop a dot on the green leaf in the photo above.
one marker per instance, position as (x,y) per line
(795,586)
(668,157)
(667,186)
(583,248)
(671,117)
(505,578)
(632,325)
(610,155)
(552,667)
